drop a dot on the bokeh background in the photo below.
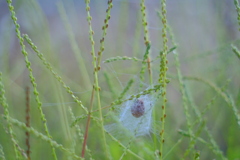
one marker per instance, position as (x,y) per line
(204,31)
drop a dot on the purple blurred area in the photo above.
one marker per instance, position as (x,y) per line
(199,26)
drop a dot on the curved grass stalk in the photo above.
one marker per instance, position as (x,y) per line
(211,102)
(110,85)
(7,117)
(43,137)
(173,147)
(120,144)
(48,66)
(2,156)
(200,120)
(187,98)
(238,11)
(78,130)
(211,146)
(185,105)
(226,97)
(119,58)
(74,45)
(236,51)
(32,78)
(215,148)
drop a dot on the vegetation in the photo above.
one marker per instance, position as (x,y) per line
(119,79)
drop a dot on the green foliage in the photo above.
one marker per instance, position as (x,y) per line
(92,63)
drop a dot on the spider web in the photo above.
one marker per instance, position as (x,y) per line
(127,124)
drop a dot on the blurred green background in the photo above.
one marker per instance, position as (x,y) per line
(204,31)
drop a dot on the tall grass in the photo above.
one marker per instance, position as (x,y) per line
(88,65)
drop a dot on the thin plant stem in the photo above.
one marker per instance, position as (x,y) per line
(87,125)
(42,137)
(218,90)
(236,50)
(56,76)
(78,130)
(147,42)
(2,156)
(117,141)
(3,102)
(162,76)
(182,88)
(96,66)
(238,11)
(32,78)
(77,52)
(28,151)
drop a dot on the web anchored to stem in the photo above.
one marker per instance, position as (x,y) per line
(135,117)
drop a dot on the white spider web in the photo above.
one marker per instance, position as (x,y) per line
(128,124)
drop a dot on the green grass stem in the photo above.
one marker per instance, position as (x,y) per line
(3,102)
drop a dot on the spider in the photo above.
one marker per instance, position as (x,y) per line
(138,108)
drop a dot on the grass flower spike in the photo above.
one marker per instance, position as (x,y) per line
(119,79)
